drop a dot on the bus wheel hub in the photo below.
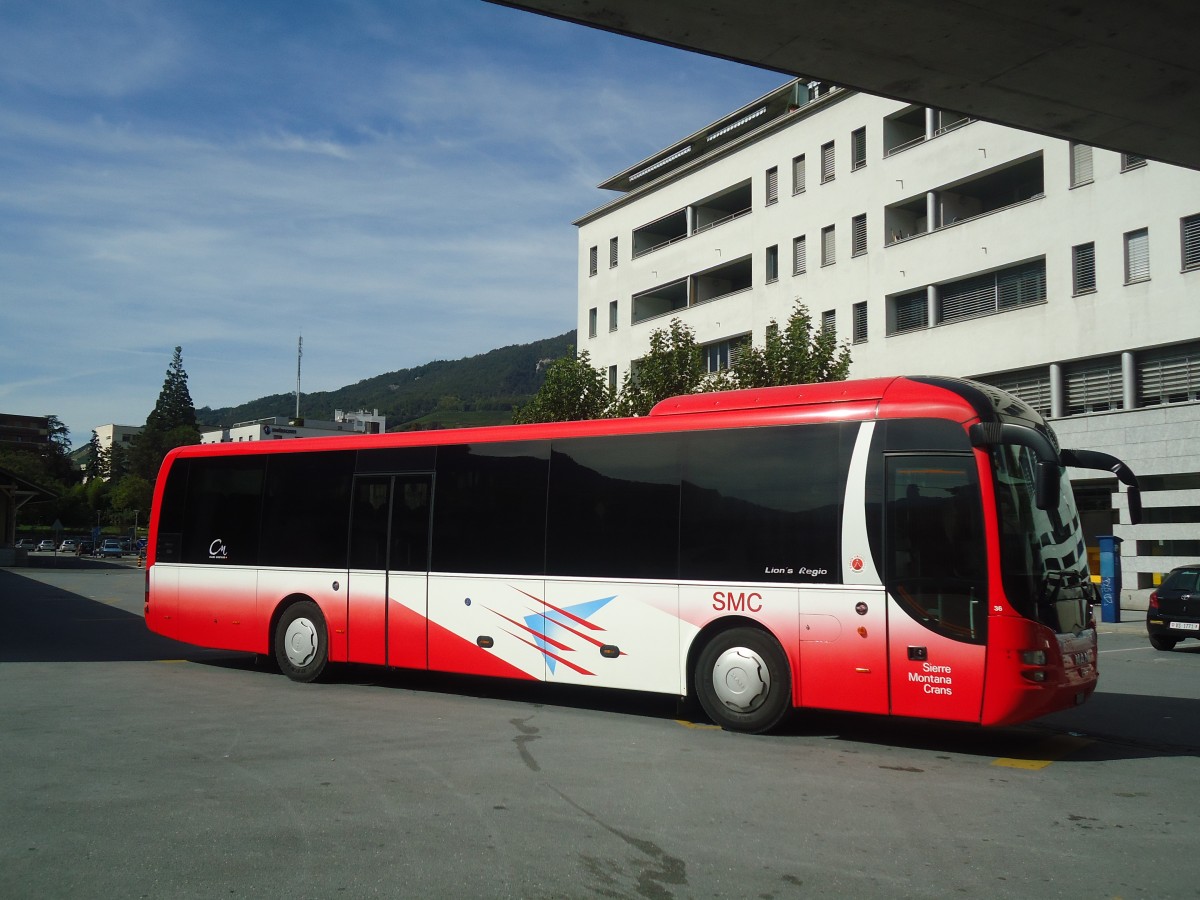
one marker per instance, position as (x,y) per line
(740,679)
(300,642)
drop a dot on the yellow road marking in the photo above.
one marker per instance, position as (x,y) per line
(1045,752)
(687,724)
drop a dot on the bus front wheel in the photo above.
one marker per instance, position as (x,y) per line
(742,680)
(301,642)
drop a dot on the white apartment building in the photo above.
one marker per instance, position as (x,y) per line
(935,245)
(280,428)
(120,435)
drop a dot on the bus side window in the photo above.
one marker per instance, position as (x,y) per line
(935,550)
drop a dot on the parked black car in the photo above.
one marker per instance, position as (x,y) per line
(1174,610)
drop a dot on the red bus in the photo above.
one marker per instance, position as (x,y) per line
(902,546)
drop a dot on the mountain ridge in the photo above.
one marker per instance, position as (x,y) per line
(473,390)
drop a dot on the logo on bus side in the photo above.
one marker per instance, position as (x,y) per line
(217,550)
(728,600)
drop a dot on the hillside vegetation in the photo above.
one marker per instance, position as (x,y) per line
(478,390)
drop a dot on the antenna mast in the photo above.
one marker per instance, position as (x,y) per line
(299,354)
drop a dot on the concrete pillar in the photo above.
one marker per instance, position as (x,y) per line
(932,301)
(1058,398)
(1128,380)
(931,216)
(930,122)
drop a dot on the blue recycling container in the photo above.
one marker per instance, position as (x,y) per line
(1110,578)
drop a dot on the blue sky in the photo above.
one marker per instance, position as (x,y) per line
(394,180)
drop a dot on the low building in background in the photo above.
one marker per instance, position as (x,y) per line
(279,428)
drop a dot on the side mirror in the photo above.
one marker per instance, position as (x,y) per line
(1047,485)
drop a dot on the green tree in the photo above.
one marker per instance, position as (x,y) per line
(573,390)
(795,354)
(95,460)
(674,366)
(171,424)
(132,494)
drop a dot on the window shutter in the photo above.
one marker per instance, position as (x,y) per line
(593,255)
(860,323)
(858,148)
(799,256)
(827,162)
(1081,164)
(912,311)
(772,185)
(1169,376)
(1083,268)
(1190,228)
(858,235)
(798,174)
(613,254)
(1137,255)
(829,322)
(1031,387)
(1094,387)
(828,246)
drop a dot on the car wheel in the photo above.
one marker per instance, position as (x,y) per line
(742,680)
(1162,642)
(302,642)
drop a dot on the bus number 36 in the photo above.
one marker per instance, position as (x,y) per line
(723,600)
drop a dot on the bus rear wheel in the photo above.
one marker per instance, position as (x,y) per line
(742,680)
(301,642)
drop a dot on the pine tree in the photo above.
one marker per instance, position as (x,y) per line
(93,468)
(171,424)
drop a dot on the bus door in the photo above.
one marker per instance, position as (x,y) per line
(387,585)
(935,563)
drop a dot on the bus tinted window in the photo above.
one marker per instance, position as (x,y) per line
(936,560)
(306,509)
(614,507)
(224,497)
(490,509)
(171,513)
(764,504)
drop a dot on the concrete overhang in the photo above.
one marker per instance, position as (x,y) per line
(1108,74)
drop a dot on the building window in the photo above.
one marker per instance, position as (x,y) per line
(593,256)
(1081,164)
(858,149)
(858,235)
(798,174)
(773,263)
(799,255)
(993,292)
(724,354)
(1083,269)
(860,322)
(612,253)
(1131,161)
(1189,234)
(772,185)
(827,162)
(1137,255)
(829,322)
(911,311)
(1094,386)
(592,322)
(612,378)
(828,246)
(612,315)
(1170,375)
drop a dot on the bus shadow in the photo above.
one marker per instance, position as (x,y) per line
(45,623)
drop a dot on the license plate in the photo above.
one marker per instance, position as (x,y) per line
(1185,626)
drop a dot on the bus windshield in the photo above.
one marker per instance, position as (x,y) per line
(1043,556)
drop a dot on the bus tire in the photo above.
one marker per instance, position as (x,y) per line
(742,680)
(302,642)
